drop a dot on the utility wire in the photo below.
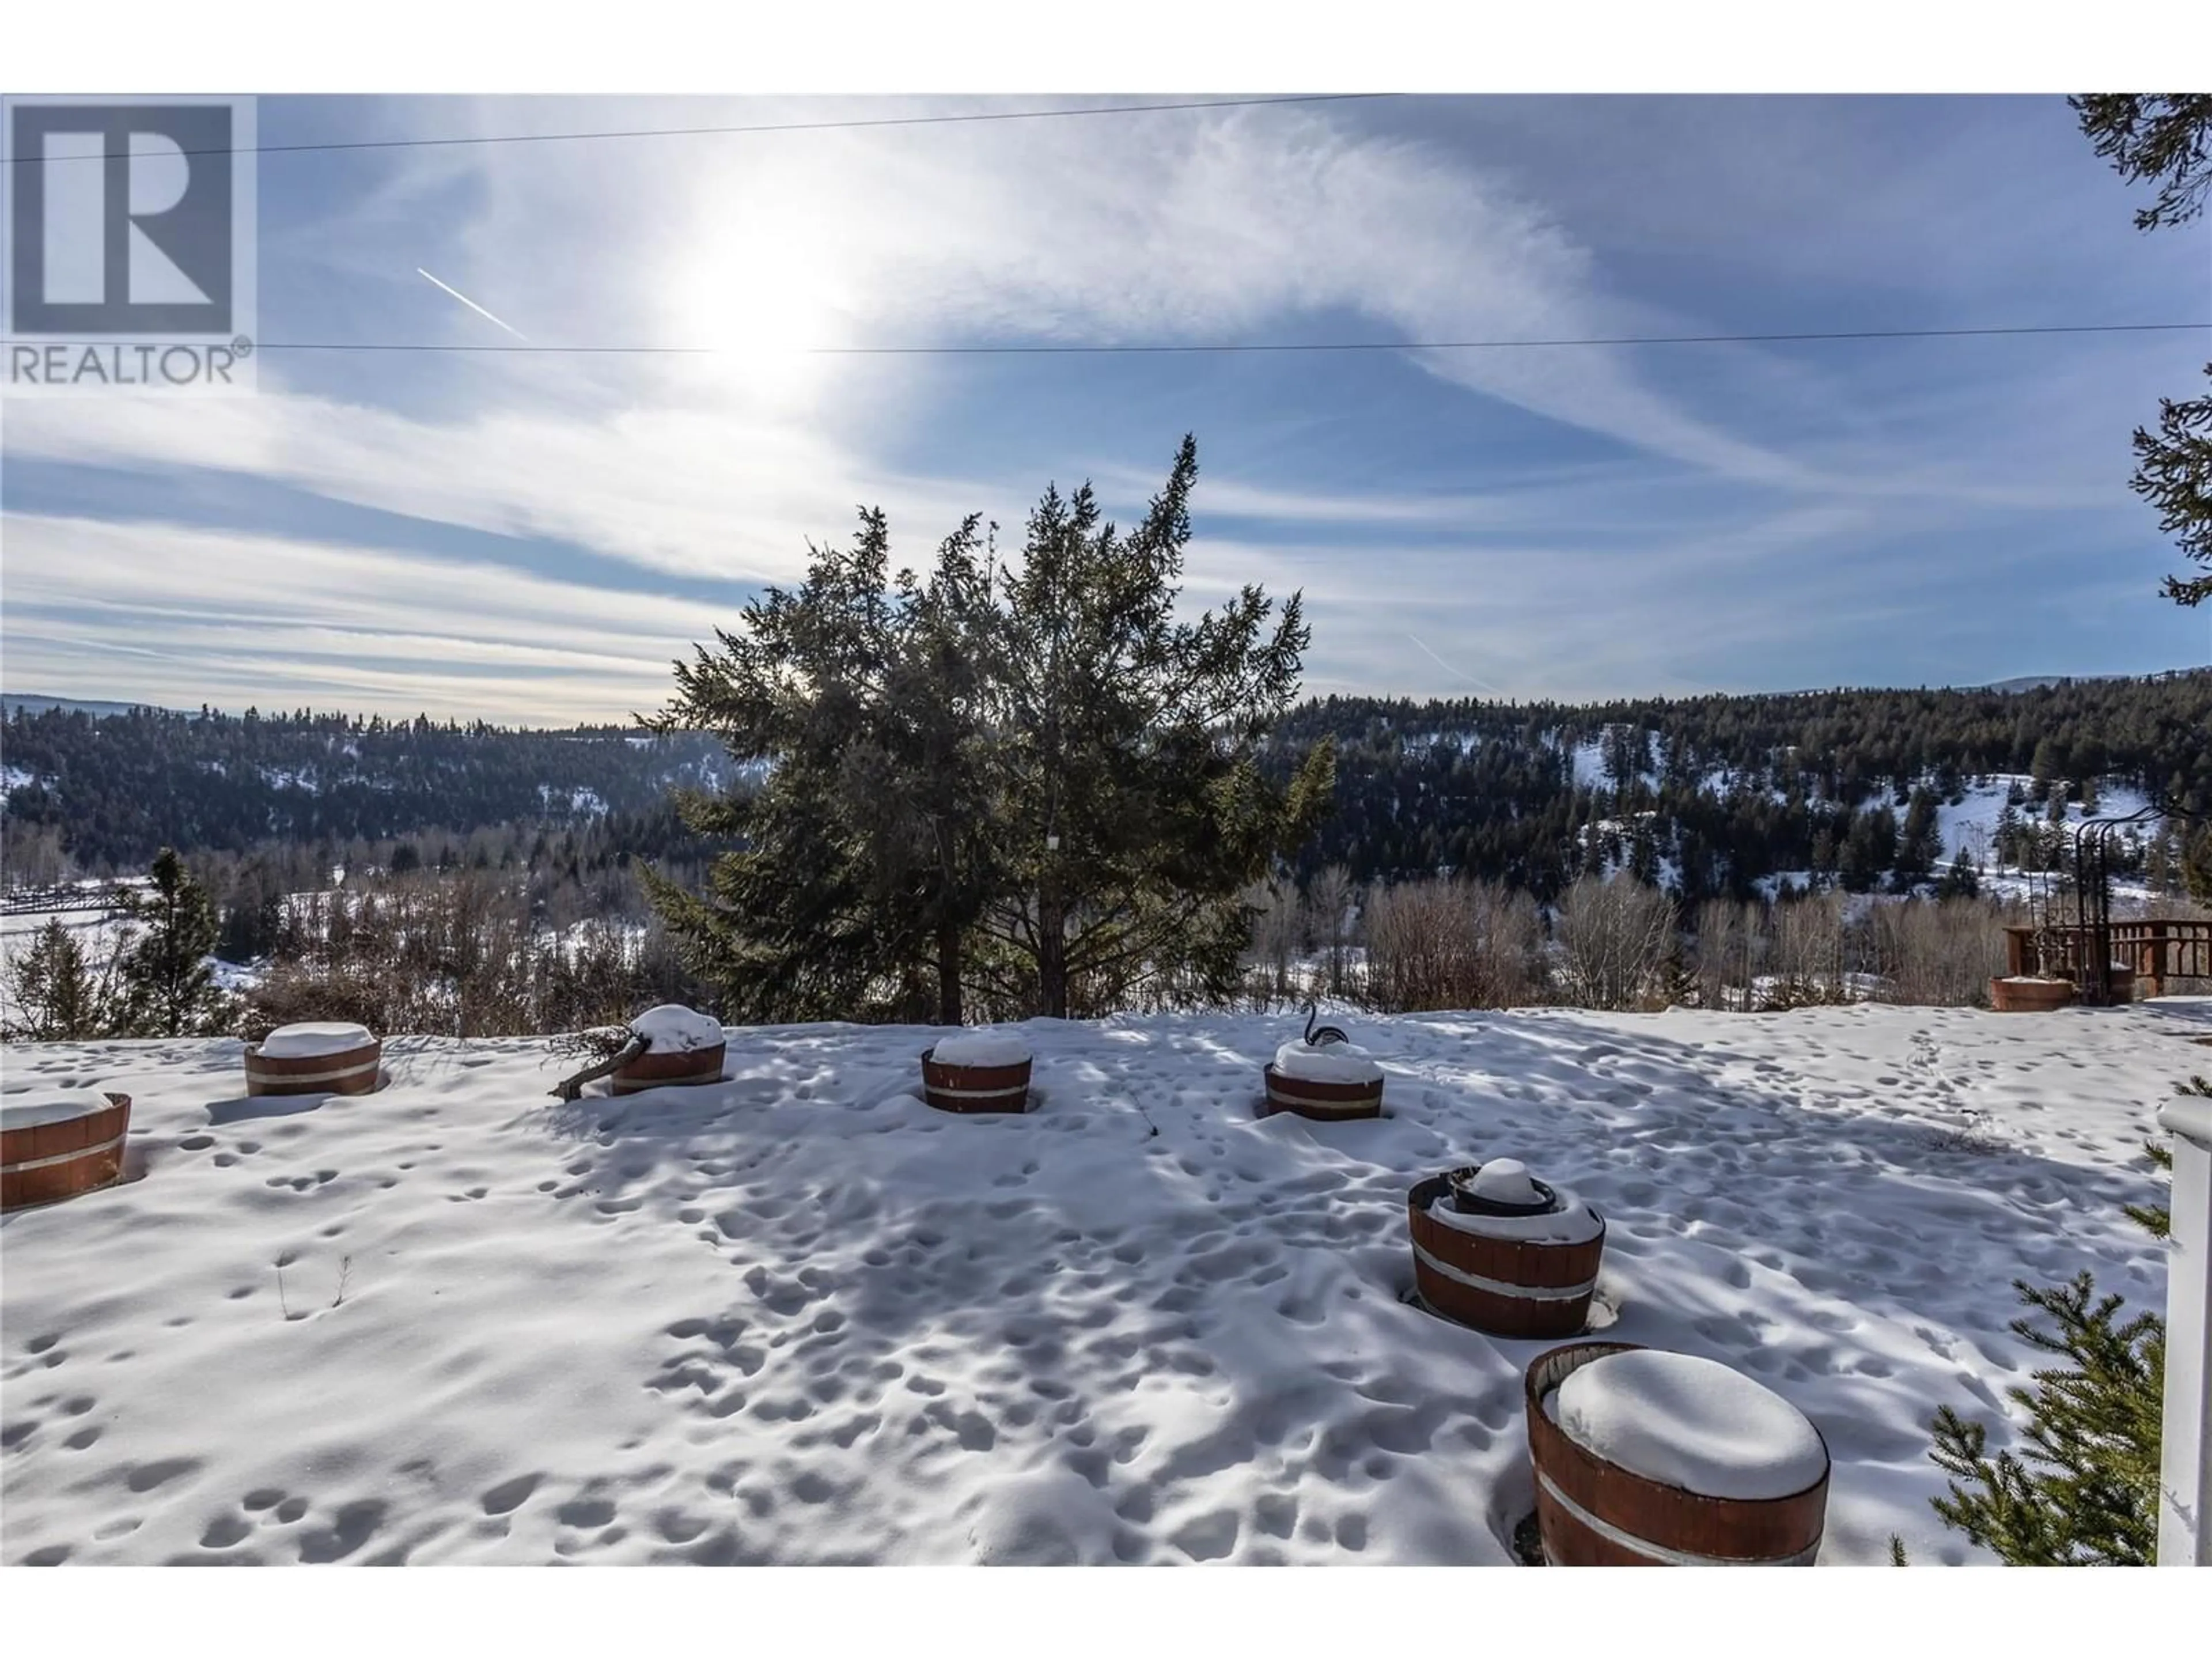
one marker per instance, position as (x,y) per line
(766,126)
(1059,349)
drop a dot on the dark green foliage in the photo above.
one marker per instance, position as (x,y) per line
(167,988)
(2161,137)
(1960,881)
(1755,785)
(119,787)
(1131,809)
(1919,841)
(55,994)
(2165,139)
(1031,788)
(2174,473)
(2085,1493)
(865,853)
(2155,1218)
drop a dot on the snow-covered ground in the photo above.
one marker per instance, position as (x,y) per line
(799,1317)
(98,933)
(1971,826)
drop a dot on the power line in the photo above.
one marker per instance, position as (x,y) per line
(766,126)
(1067,349)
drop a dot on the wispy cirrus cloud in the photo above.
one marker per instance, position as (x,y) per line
(1547,514)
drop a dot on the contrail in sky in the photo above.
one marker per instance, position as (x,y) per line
(1461,673)
(467,301)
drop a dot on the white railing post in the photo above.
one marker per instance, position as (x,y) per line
(2184,1529)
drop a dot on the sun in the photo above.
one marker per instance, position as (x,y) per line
(760,287)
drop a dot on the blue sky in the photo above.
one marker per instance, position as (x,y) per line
(533,539)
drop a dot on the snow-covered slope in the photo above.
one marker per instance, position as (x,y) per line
(799,1317)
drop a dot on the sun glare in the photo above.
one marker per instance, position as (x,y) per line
(764,293)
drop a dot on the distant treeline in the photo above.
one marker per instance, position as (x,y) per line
(1725,790)
(114,789)
(1715,792)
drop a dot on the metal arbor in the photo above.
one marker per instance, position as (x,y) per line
(2093,895)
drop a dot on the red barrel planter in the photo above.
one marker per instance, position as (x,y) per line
(1329,1103)
(974,1089)
(353,1070)
(2030,996)
(669,1068)
(58,1151)
(1511,1287)
(1591,1512)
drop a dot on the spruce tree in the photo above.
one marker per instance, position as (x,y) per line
(1125,760)
(167,986)
(2166,139)
(1960,880)
(2085,1493)
(859,871)
(54,994)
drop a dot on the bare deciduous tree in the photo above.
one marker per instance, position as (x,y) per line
(1614,939)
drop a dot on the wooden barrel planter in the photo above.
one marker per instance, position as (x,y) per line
(987,1076)
(1326,1099)
(688,1048)
(679,1068)
(315,1058)
(2022,995)
(55,1146)
(1519,1260)
(1598,1509)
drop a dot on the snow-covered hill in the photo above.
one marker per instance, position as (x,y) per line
(799,1317)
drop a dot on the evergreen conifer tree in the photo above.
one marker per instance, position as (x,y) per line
(1960,880)
(2166,139)
(1132,808)
(54,994)
(168,987)
(2085,1492)
(1036,781)
(858,869)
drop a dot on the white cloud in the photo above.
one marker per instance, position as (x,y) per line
(1259,224)
(180,614)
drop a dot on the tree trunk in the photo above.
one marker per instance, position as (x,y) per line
(1051,951)
(948,972)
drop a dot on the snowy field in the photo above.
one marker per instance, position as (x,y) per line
(800,1317)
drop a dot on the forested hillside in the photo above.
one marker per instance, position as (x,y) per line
(1711,795)
(1720,792)
(118,787)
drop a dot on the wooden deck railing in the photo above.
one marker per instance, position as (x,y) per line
(2156,950)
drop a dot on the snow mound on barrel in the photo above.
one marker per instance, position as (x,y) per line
(1575,1221)
(312,1038)
(1505,1181)
(674,1028)
(1335,1062)
(981,1048)
(51,1106)
(1690,1423)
